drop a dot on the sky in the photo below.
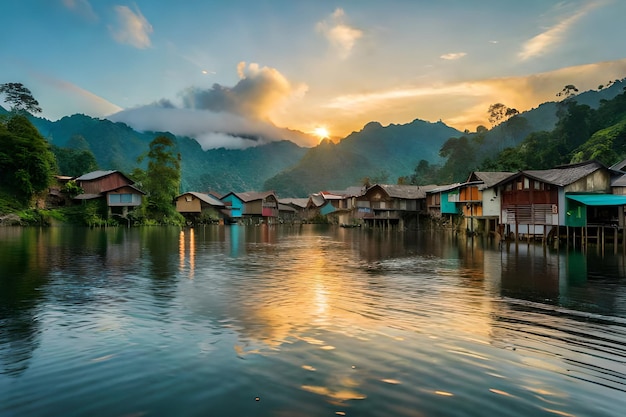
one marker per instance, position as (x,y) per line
(265,69)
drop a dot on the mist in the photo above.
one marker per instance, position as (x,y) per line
(223,117)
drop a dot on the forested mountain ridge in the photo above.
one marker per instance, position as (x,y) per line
(423,152)
(588,125)
(376,153)
(117,146)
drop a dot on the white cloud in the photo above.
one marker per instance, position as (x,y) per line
(341,36)
(549,39)
(221,116)
(453,56)
(210,129)
(132,29)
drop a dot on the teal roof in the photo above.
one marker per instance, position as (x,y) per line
(598,199)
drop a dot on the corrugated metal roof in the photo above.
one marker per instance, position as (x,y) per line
(354,191)
(253,195)
(489,179)
(566,174)
(408,192)
(206,198)
(443,188)
(300,202)
(88,196)
(317,200)
(94,175)
(619,181)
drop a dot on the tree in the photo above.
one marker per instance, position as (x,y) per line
(20,98)
(161,179)
(498,112)
(424,173)
(568,91)
(74,162)
(26,161)
(461,158)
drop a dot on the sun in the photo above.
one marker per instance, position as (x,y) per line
(321,132)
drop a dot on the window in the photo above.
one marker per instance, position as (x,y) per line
(120,198)
(188,198)
(526,183)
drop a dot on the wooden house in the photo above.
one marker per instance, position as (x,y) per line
(537,202)
(386,205)
(479,201)
(442,201)
(252,207)
(201,208)
(337,206)
(314,206)
(298,206)
(114,187)
(288,213)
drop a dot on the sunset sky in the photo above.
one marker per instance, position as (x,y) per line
(207,68)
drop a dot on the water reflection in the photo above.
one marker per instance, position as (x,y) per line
(328,320)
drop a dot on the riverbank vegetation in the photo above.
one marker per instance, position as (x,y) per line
(29,164)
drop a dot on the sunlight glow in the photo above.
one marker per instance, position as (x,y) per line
(321,132)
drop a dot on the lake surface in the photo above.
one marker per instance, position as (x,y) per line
(306,321)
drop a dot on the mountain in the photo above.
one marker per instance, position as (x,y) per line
(117,146)
(376,152)
(379,153)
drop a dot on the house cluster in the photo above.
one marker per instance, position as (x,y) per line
(532,203)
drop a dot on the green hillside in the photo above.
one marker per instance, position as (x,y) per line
(117,146)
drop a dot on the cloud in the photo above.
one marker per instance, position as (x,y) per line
(340,35)
(231,117)
(210,129)
(453,56)
(82,8)
(259,91)
(59,98)
(464,104)
(133,29)
(549,39)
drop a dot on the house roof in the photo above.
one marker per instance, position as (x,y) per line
(248,196)
(561,176)
(94,175)
(489,179)
(299,202)
(317,200)
(206,198)
(85,196)
(443,188)
(327,195)
(285,207)
(619,181)
(125,186)
(619,166)
(408,192)
(354,191)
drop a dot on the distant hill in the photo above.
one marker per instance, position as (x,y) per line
(376,152)
(381,153)
(117,146)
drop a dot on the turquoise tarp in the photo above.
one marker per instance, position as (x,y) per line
(598,199)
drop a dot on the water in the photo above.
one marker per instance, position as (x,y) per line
(305,321)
